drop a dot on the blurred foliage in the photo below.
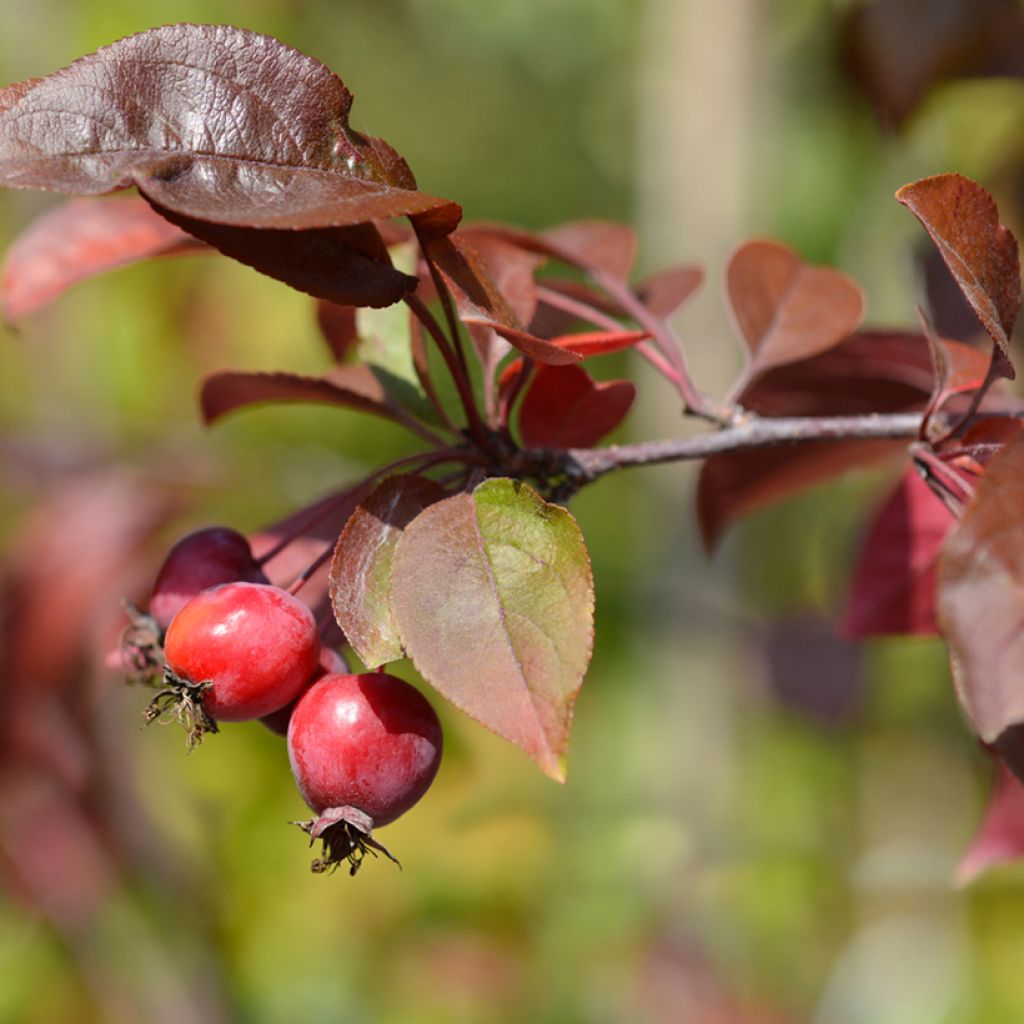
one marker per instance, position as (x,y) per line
(726,848)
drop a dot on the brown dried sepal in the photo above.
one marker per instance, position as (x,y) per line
(181,700)
(142,648)
(346,833)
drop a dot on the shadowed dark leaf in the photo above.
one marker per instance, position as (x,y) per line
(337,325)
(962,220)
(880,371)
(78,240)
(981,596)
(360,579)
(785,309)
(494,600)
(564,407)
(894,583)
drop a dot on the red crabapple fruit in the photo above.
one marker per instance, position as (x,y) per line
(363,750)
(331,663)
(236,652)
(198,561)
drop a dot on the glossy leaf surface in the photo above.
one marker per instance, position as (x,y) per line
(80,239)
(494,600)
(963,222)
(981,596)
(360,580)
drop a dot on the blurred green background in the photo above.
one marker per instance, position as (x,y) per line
(760,823)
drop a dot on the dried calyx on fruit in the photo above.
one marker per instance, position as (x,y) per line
(363,750)
(235,652)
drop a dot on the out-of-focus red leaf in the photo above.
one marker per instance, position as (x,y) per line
(510,269)
(360,575)
(959,369)
(353,387)
(894,583)
(880,371)
(897,50)
(1000,837)
(668,290)
(337,325)
(983,439)
(599,343)
(493,595)
(785,309)
(594,244)
(981,596)
(78,240)
(962,220)
(564,407)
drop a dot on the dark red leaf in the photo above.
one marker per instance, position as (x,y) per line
(352,387)
(360,579)
(881,371)
(785,309)
(1000,837)
(78,240)
(346,265)
(564,407)
(981,596)
(982,255)
(894,583)
(337,325)
(212,122)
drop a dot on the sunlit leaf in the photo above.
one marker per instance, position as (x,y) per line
(360,580)
(962,220)
(493,595)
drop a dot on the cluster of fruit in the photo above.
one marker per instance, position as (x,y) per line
(226,645)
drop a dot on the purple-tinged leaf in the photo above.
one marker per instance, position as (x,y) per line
(352,387)
(493,595)
(80,239)
(209,121)
(785,309)
(894,583)
(360,580)
(1000,837)
(981,596)
(564,407)
(963,222)
(594,245)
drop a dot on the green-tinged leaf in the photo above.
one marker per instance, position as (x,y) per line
(361,567)
(981,596)
(384,345)
(493,596)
